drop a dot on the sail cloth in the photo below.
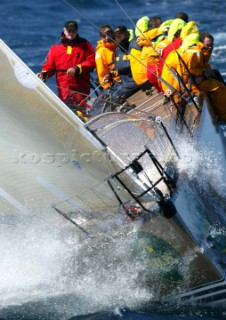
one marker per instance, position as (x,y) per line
(48,158)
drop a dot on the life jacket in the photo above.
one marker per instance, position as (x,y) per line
(138,64)
(147,37)
(152,43)
(165,51)
(152,56)
(152,53)
(175,26)
(189,28)
(170,66)
(186,61)
(138,59)
(141,26)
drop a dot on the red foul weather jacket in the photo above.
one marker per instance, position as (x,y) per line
(67,54)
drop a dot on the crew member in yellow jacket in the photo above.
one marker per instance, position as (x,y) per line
(104,57)
(202,76)
(211,80)
(181,60)
(137,64)
(152,42)
(191,62)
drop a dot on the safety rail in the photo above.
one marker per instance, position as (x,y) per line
(149,187)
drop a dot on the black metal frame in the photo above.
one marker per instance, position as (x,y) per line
(137,168)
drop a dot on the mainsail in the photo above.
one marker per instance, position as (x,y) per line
(48,158)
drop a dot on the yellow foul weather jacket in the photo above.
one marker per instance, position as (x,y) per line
(104,58)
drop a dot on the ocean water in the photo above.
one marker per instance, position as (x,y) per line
(39,273)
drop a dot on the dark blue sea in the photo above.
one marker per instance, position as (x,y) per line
(39,274)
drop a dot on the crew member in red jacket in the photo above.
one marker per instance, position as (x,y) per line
(71,60)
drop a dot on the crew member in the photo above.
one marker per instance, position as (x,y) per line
(71,60)
(105,51)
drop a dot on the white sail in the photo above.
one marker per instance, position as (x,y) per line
(48,158)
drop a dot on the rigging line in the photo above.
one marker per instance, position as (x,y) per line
(95,186)
(81,14)
(192,78)
(136,27)
(187,69)
(86,96)
(70,220)
(94,91)
(126,51)
(169,138)
(80,76)
(81,194)
(181,115)
(180,80)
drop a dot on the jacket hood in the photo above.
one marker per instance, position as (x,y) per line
(141,26)
(189,28)
(190,40)
(175,26)
(109,45)
(164,27)
(150,35)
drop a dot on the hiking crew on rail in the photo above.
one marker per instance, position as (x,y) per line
(73,59)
